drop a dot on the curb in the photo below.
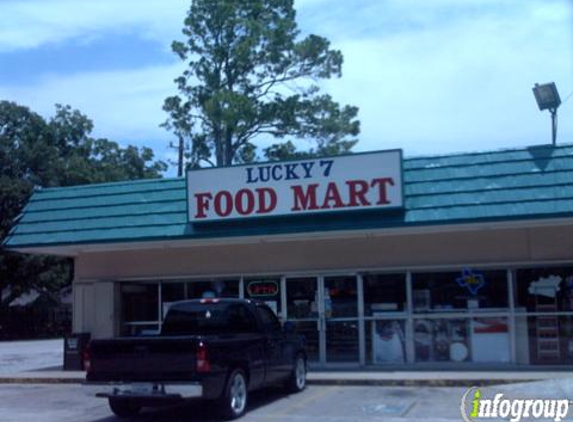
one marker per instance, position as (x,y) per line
(32,380)
(420,382)
(323,382)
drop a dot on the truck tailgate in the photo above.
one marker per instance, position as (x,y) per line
(143,359)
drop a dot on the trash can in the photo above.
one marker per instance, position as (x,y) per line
(74,347)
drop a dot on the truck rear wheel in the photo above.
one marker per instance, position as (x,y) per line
(123,407)
(297,380)
(233,402)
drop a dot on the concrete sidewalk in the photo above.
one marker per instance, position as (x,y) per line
(357,377)
(19,361)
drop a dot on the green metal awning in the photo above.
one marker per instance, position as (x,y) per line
(496,186)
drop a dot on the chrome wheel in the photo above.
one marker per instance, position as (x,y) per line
(300,373)
(233,401)
(238,393)
(296,382)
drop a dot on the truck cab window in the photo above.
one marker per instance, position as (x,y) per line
(269,320)
(241,319)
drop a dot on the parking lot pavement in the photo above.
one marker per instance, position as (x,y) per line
(27,355)
(339,403)
(68,403)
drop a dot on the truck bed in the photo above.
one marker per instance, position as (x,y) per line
(160,358)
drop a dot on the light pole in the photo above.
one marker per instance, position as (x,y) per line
(548,98)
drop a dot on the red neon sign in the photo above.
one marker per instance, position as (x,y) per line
(262,288)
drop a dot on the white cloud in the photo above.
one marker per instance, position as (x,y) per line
(32,23)
(429,77)
(464,84)
(124,105)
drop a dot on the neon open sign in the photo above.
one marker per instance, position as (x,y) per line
(262,288)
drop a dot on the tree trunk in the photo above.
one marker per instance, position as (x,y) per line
(229,152)
(219,148)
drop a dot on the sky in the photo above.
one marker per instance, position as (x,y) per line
(430,77)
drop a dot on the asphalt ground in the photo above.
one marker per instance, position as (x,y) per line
(26,368)
(335,403)
(63,403)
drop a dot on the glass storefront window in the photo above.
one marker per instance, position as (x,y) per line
(267,290)
(544,289)
(171,292)
(386,342)
(544,340)
(342,341)
(302,297)
(340,297)
(461,290)
(309,332)
(384,293)
(458,316)
(484,339)
(489,340)
(441,340)
(212,288)
(140,302)
(139,309)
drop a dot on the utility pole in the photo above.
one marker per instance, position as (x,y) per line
(180,147)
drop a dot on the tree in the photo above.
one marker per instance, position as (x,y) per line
(85,160)
(58,152)
(249,76)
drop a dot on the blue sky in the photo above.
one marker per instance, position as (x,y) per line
(429,76)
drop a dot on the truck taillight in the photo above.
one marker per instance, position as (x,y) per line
(209,300)
(202,358)
(86,359)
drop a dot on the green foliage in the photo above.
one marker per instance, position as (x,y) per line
(36,153)
(84,160)
(249,76)
(288,151)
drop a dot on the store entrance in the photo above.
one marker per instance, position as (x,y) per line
(340,322)
(302,295)
(325,311)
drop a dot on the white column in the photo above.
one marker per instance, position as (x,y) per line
(361,323)
(410,354)
(103,309)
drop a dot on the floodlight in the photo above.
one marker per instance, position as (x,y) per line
(548,98)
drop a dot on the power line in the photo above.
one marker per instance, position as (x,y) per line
(567,97)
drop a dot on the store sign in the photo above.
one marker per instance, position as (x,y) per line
(352,182)
(262,288)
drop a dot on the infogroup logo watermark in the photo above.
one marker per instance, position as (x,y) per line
(474,407)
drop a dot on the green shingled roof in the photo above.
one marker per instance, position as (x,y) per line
(519,184)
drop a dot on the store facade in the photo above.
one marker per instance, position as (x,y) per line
(366,318)
(463,260)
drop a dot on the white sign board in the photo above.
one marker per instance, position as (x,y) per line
(344,183)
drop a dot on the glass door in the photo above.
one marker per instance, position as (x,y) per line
(325,311)
(302,300)
(341,324)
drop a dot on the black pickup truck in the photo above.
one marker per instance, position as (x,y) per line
(218,349)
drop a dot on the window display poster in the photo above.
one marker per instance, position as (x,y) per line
(490,340)
(441,340)
(388,342)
